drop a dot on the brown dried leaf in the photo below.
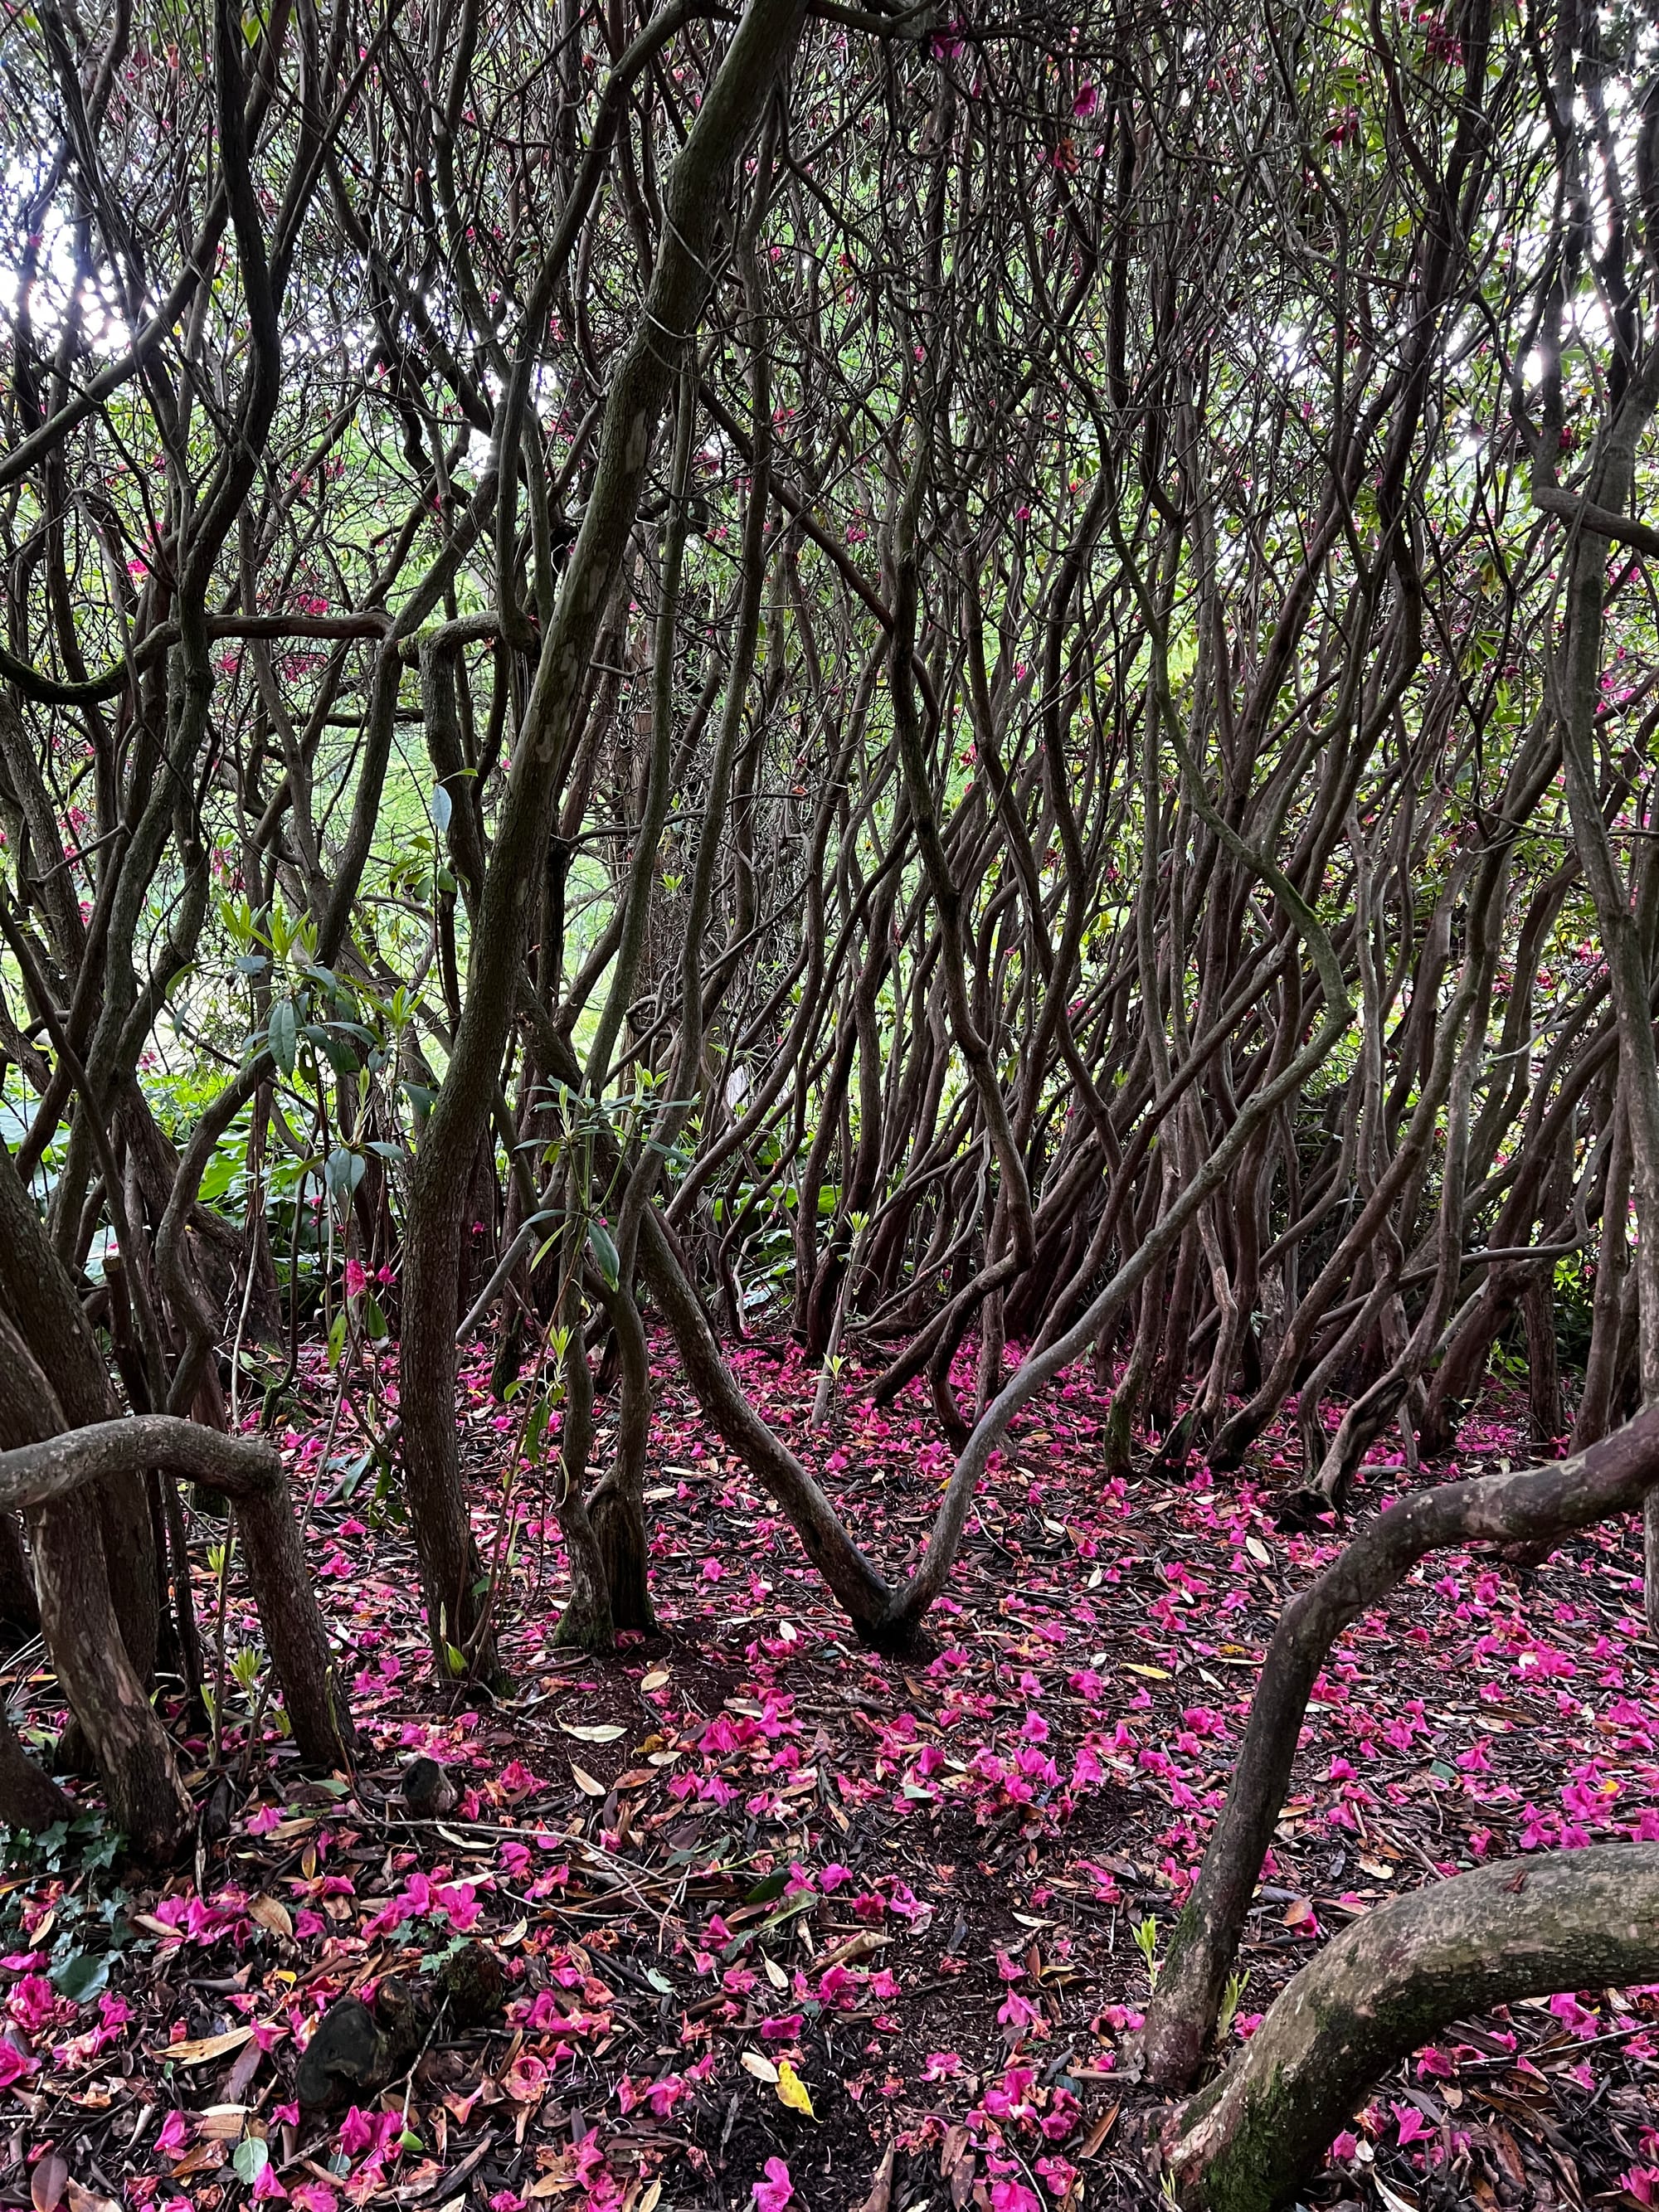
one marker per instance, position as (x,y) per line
(88,2200)
(273,1915)
(47,2182)
(198,2049)
(247,2066)
(881,2188)
(1102,2128)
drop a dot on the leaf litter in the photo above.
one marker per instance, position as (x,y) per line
(803,1926)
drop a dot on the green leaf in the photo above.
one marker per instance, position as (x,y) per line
(790,1909)
(341,1054)
(536,1428)
(607,1257)
(221,1171)
(442,808)
(283,1034)
(344,1171)
(80,1975)
(250,2158)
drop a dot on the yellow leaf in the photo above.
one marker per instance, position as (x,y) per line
(792,2090)
(1153,1674)
(655,1679)
(601,1732)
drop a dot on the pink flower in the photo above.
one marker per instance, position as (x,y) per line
(14,2064)
(357,2132)
(356,1280)
(176,2132)
(1413,2128)
(32,2002)
(525,2079)
(1344,2146)
(1571,2015)
(772,2194)
(1013,2196)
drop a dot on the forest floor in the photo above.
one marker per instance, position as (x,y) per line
(744,1867)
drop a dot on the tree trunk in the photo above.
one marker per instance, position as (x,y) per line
(617,1507)
(60,1472)
(20,1608)
(110,1711)
(1543,1364)
(1524,1506)
(28,1798)
(36,1290)
(1392,1981)
(147,1800)
(694,200)
(1595,1403)
(585,1621)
